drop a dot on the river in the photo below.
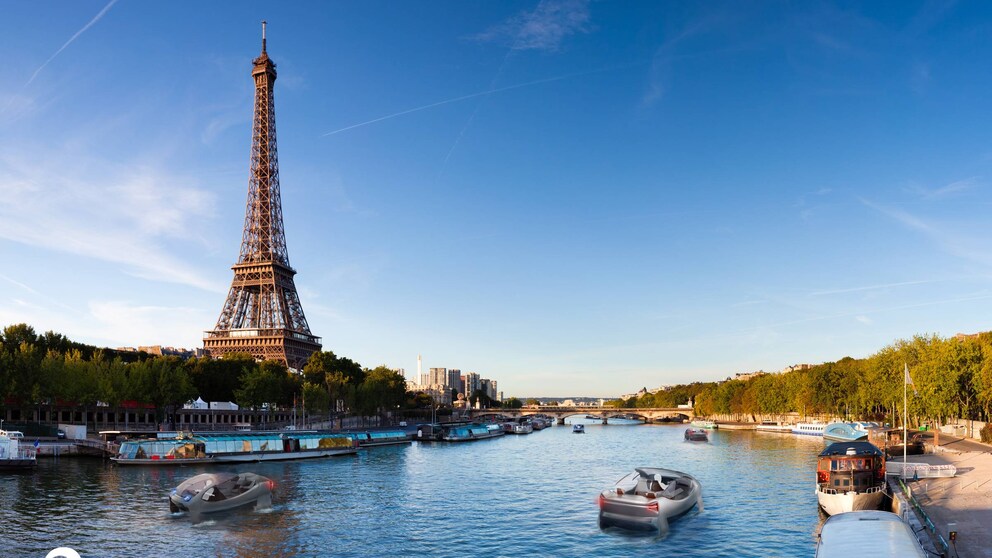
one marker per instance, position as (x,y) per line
(531,495)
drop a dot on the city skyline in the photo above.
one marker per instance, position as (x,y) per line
(560,193)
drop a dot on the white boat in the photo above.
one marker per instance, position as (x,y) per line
(217,492)
(847,431)
(772,426)
(850,476)
(578,429)
(867,533)
(809,428)
(919,470)
(14,454)
(711,424)
(648,499)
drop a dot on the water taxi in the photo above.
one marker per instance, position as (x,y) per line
(648,499)
(14,454)
(217,492)
(867,533)
(578,429)
(711,424)
(850,476)
(186,448)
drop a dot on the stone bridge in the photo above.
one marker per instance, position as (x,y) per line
(605,413)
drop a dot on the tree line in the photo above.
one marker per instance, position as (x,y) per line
(49,369)
(952,378)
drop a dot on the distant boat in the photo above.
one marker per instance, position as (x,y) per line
(867,533)
(809,428)
(578,429)
(696,435)
(850,476)
(14,454)
(773,426)
(846,431)
(699,423)
(380,437)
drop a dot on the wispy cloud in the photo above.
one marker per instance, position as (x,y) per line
(479,94)
(72,39)
(864,319)
(966,245)
(544,28)
(870,287)
(75,204)
(948,190)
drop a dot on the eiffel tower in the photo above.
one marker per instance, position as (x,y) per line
(262,315)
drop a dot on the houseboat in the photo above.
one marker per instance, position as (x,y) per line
(850,476)
(380,438)
(14,454)
(809,428)
(456,432)
(186,448)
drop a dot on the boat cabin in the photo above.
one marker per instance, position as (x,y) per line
(850,467)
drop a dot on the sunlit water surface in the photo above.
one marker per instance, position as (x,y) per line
(515,496)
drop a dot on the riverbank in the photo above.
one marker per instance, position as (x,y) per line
(962,503)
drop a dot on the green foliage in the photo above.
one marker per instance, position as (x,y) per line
(986,433)
(513,403)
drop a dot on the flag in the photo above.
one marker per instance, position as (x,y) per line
(36,444)
(909,380)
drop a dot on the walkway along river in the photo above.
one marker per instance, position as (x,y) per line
(533,495)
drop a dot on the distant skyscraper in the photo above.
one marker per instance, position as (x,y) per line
(453,380)
(420,371)
(438,376)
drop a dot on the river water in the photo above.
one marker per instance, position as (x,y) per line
(514,496)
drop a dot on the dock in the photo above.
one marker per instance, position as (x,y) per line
(961,504)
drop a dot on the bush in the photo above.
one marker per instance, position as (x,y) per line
(987,433)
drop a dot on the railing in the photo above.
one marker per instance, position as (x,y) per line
(927,522)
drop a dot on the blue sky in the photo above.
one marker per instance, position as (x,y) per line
(573,198)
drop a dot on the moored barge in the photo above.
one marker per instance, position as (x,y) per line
(233,447)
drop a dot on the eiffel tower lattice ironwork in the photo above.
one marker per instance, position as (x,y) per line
(262,315)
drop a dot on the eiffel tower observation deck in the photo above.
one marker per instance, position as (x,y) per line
(262,315)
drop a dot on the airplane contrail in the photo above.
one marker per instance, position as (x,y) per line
(71,39)
(479,94)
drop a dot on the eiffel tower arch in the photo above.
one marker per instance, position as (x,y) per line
(262,315)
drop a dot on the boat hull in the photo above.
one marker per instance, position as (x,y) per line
(239,458)
(841,502)
(648,511)
(18,464)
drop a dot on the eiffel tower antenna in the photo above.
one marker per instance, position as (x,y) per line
(262,315)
